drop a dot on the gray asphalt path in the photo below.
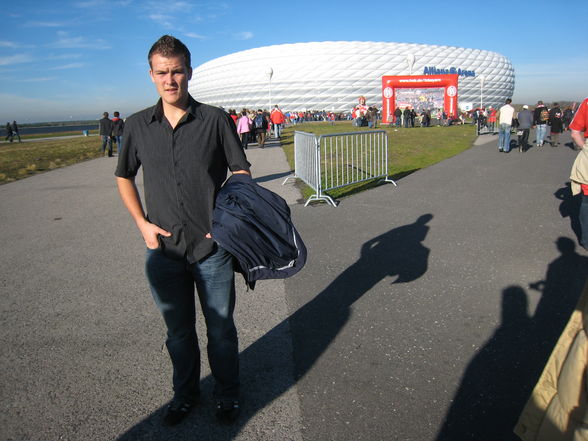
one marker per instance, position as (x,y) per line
(427,310)
(82,353)
(406,324)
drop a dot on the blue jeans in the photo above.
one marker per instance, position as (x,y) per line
(118,140)
(172,285)
(540,133)
(504,137)
(584,221)
(277,130)
(106,140)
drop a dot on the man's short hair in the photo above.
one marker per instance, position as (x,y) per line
(168,46)
(508,101)
(539,102)
(105,114)
(116,114)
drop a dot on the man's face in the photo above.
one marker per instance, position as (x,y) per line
(171,76)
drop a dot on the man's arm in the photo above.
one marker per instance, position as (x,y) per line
(130,197)
(578,138)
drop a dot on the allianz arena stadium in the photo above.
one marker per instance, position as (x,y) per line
(332,75)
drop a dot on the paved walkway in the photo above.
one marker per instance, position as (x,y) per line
(406,324)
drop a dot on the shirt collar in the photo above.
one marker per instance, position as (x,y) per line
(194,110)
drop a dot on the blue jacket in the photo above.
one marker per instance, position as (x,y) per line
(254,225)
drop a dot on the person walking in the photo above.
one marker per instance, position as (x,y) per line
(540,119)
(15,131)
(105,132)
(406,116)
(398,116)
(491,119)
(8,132)
(525,118)
(260,124)
(277,118)
(556,124)
(186,149)
(118,127)
(568,115)
(505,117)
(244,128)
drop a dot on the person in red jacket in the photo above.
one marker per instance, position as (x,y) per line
(579,126)
(277,118)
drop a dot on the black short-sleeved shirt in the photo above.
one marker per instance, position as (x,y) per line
(183,169)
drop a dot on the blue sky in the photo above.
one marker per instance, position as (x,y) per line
(75,59)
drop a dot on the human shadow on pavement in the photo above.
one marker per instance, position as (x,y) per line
(500,378)
(265,375)
(570,207)
(272,177)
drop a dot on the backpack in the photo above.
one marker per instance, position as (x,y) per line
(543,115)
(259,120)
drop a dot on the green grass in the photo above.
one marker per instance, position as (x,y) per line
(408,149)
(55,135)
(19,160)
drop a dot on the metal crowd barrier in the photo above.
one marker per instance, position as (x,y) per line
(333,161)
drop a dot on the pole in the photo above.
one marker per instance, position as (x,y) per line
(269,72)
(482,91)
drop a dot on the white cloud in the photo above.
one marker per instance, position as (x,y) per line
(15,59)
(163,19)
(89,4)
(179,6)
(194,35)
(44,24)
(66,42)
(67,66)
(34,80)
(28,80)
(246,35)
(63,56)
(10,44)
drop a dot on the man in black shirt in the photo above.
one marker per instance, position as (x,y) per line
(105,132)
(185,149)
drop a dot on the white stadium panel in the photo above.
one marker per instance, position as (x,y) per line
(331,75)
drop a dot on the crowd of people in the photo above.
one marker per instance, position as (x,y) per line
(543,119)
(258,126)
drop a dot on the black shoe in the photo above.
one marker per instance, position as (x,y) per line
(175,412)
(227,412)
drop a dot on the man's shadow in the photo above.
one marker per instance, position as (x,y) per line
(570,207)
(313,327)
(500,378)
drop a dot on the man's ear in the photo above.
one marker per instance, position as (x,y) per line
(151,75)
(189,73)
